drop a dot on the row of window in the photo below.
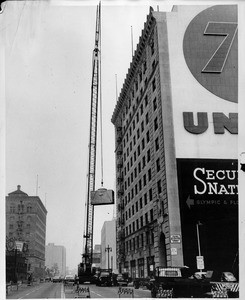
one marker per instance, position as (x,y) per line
(20,208)
(145,238)
(139,223)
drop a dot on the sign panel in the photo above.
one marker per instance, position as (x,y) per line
(200,262)
(175,239)
(102,196)
(208,196)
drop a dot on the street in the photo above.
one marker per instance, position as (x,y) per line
(48,290)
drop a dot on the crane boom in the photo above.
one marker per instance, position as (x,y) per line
(88,251)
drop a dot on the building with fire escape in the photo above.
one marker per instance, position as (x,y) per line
(26,223)
(169,210)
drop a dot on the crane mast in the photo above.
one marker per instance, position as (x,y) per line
(88,251)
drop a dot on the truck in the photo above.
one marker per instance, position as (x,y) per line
(177,282)
(104,277)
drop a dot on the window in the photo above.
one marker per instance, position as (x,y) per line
(141,204)
(129,216)
(142,239)
(146,218)
(130,229)
(155,104)
(157,144)
(133,124)
(137,224)
(136,206)
(148,136)
(12,209)
(141,221)
(133,227)
(134,140)
(137,117)
(138,241)
(131,146)
(153,64)
(159,186)
(141,109)
(144,67)
(139,167)
(144,180)
(152,47)
(148,155)
(132,210)
(140,76)
(143,162)
(155,124)
(147,237)
(149,175)
(158,164)
(142,126)
(136,86)
(146,118)
(140,185)
(143,143)
(135,172)
(138,149)
(146,101)
(145,199)
(151,214)
(138,133)
(136,189)
(134,156)
(150,194)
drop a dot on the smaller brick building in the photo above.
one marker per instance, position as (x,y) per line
(26,222)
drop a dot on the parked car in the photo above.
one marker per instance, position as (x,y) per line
(121,280)
(69,278)
(56,279)
(105,278)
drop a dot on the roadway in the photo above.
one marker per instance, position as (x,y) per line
(49,290)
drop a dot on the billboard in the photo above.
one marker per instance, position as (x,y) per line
(102,196)
(203,54)
(208,196)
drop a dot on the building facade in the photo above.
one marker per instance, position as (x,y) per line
(174,120)
(55,259)
(108,246)
(26,225)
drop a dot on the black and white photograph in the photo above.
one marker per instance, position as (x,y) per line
(122,153)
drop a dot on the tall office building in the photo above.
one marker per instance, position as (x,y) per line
(26,223)
(108,245)
(175,121)
(55,258)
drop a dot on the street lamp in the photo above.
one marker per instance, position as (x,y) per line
(200,261)
(108,249)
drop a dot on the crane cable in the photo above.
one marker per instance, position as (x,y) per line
(101,129)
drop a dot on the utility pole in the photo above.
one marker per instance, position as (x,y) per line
(108,249)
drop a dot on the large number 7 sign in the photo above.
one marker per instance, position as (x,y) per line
(217,61)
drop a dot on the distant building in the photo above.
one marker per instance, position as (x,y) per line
(26,224)
(108,241)
(97,256)
(55,259)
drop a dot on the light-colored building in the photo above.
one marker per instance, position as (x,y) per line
(55,259)
(26,222)
(175,121)
(108,245)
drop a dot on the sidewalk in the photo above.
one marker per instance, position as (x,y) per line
(15,288)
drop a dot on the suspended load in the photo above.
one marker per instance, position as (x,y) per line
(102,196)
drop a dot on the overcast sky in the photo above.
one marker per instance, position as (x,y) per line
(48,72)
